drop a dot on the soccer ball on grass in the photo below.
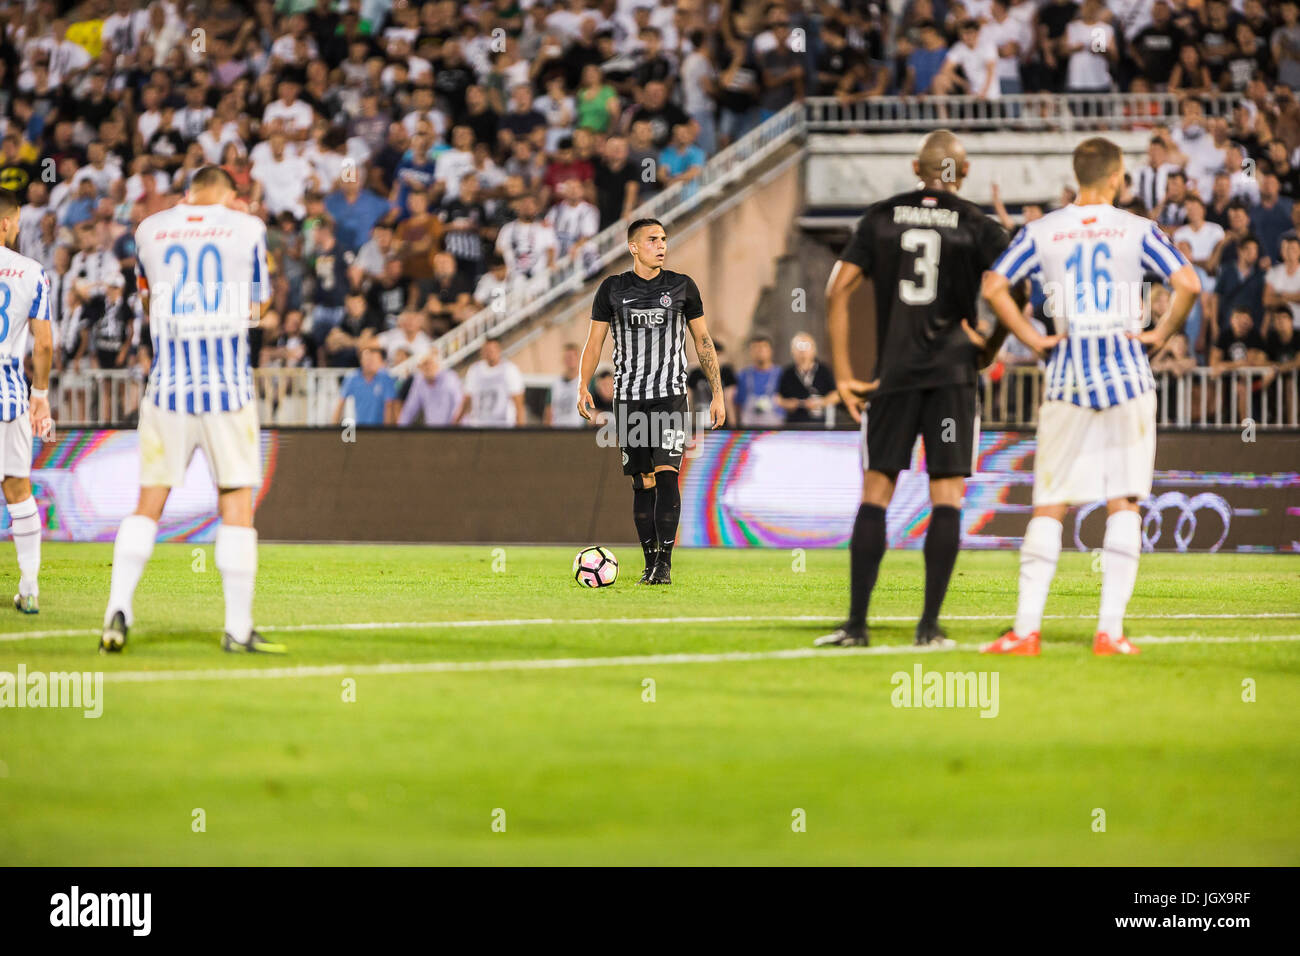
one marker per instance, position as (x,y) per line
(595,567)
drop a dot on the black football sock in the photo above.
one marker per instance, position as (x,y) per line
(942,540)
(668,508)
(643,513)
(866,551)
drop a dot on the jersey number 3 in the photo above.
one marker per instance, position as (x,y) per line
(925,243)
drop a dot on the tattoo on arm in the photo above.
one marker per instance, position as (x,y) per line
(709,364)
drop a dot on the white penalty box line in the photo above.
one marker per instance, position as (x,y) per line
(732,619)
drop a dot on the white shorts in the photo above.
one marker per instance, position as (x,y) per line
(16,448)
(1086,454)
(229,440)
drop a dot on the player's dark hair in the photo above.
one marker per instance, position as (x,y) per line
(1095,159)
(1246,240)
(640,224)
(212,176)
(8,203)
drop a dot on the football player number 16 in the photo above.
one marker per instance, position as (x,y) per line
(924,242)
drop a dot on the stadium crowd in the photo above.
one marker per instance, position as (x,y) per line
(412,159)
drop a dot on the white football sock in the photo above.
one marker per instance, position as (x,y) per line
(236,556)
(1038,556)
(26,524)
(1120,550)
(131,551)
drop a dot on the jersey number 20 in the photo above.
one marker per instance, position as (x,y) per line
(925,243)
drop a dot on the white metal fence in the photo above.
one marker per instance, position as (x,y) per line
(1197,399)
(1021,112)
(310,398)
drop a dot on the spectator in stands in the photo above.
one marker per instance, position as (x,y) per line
(1240,285)
(617,183)
(434,397)
(1201,235)
(756,386)
(806,389)
(573,220)
(681,160)
(738,93)
(447,294)
(925,62)
(1239,345)
(562,400)
(971,66)
(372,390)
(355,330)
(356,211)
(527,246)
(1271,218)
(1150,179)
(1282,282)
(1155,47)
(494,391)
(1090,45)
(1172,212)
(418,237)
(408,336)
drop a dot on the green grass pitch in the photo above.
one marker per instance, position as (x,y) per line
(463,747)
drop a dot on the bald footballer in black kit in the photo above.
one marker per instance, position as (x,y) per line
(926,251)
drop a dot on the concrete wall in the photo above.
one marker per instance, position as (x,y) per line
(852,170)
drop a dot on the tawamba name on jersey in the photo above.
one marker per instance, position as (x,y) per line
(922,216)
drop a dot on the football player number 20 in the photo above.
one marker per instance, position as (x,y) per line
(925,243)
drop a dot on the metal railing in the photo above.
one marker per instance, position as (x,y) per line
(1028,112)
(1200,398)
(286,396)
(309,397)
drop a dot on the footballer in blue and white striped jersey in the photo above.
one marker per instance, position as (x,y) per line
(24,298)
(203,281)
(204,268)
(1091,261)
(24,314)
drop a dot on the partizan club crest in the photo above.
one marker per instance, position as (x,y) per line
(665,300)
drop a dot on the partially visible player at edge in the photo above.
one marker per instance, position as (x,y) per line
(926,251)
(24,304)
(649,309)
(1097,425)
(203,281)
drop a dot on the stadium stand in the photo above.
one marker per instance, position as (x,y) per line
(475,164)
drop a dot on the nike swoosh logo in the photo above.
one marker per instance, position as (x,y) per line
(626,301)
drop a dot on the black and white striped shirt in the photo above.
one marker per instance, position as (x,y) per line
(647,319)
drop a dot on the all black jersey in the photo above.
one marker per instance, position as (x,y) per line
(926,251)
(647,320)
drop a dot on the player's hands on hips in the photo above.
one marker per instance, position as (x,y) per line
(717,412)
(1042,345)
(42,422)
(853,393)
(1152,338)
(586,405)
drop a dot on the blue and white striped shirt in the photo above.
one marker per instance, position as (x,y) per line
(1091,261)
(204,268)
(24,298)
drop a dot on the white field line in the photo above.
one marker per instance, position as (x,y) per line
(575,663)
(734,619)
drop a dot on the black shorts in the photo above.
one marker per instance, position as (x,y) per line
(946,417)
(651,433)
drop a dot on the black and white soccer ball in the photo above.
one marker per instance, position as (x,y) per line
(595,567)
